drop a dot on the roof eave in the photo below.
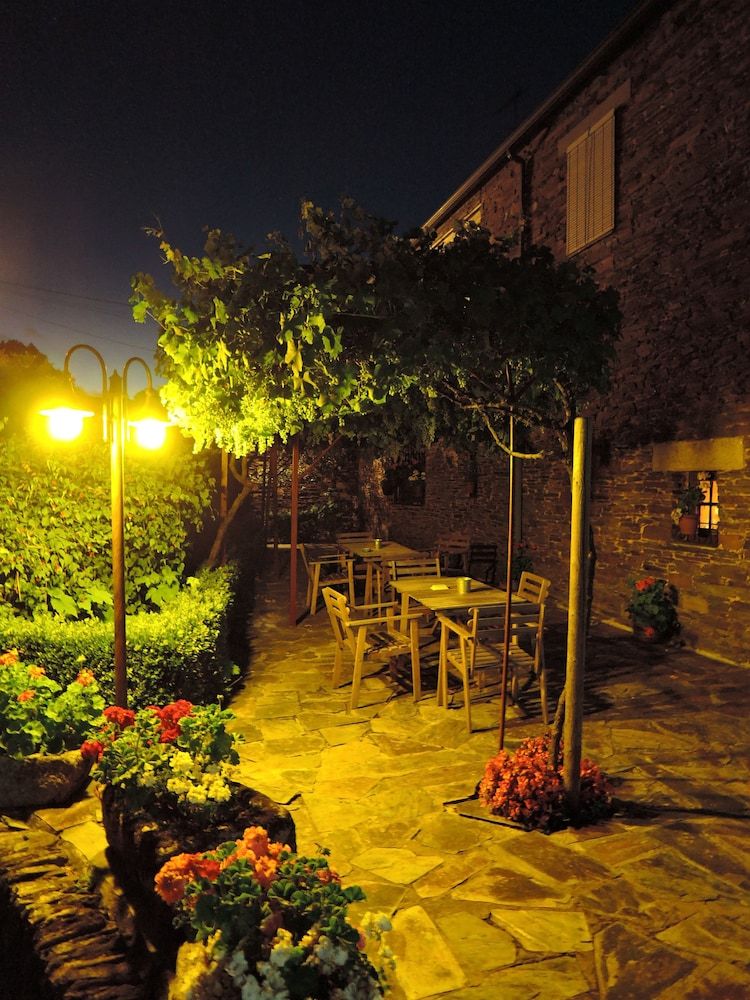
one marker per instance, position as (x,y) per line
(603,53)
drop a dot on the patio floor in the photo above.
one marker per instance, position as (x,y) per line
(652,903)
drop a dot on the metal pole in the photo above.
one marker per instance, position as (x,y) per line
(508,587)
(576,651)
(117,434)
(293,533)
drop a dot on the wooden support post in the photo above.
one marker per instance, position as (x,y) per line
(576,652)
(224,499)
(293,533)
(508,587)
(273,475)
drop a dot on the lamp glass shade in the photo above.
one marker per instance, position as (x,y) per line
(149,433)
(65,423)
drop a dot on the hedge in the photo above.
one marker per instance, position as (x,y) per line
(181,651)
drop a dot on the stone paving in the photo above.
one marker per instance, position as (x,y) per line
(653,903)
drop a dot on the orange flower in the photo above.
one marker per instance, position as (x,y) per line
(26,695)
(9,658)
(265,871)
(84,678)
(35,672)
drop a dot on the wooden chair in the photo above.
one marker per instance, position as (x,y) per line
(483,561)
(475,649)
(533,588)
(352,536)
(360,569)
(453,552)
(415,566)
(325,570)
(370,638)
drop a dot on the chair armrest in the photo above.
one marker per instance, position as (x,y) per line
(454,626)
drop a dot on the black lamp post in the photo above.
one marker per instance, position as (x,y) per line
(65,421)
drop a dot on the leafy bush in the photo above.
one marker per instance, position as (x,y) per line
(56,534)
(178,652)
(36,715)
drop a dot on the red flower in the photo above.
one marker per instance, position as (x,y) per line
(649,631)
(92,750)
(170,716)
(122,717)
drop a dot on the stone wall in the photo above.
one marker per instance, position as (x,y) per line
(678,257)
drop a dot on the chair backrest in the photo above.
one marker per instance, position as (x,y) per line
(353,536)
(487,625)
(305,558)
(423,566)
(337,606)
(453,543)
(533,588)
(483,554)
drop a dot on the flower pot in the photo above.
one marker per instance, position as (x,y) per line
(41,779)
(141,840)
(688,525)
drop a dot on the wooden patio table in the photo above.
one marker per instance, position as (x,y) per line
(440,594)
(373,557)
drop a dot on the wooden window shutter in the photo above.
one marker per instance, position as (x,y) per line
(591,185)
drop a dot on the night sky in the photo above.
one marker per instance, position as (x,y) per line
(116,115)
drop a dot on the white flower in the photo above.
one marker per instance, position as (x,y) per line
(236,965)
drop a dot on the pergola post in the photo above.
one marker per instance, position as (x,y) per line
(576,651)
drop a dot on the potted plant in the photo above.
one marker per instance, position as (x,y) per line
(266,922)
(527,788)
(652,609)
(168,786)
(685,511)
(41,728)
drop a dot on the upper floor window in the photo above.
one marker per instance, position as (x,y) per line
(591,184)
(448,236)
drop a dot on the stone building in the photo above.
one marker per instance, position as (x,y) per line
(637,166)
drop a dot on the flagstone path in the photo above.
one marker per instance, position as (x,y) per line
(651,904)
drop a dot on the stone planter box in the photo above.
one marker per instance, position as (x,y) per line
(41,779)
(141,841)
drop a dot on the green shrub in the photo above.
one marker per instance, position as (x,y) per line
(56,534)
(179,652)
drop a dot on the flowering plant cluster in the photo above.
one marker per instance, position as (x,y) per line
(276,922)
(180,754)
(37,715)
(687,502)
(527,788)
(652,607)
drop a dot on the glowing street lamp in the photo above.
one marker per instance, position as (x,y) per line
(65,422)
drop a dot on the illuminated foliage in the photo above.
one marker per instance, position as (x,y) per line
(453,339)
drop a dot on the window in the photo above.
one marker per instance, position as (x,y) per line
(591,184)
(708,509)
(404,480)
(703,529)
(449,235)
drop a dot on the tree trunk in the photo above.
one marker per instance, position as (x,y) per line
(216,549)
